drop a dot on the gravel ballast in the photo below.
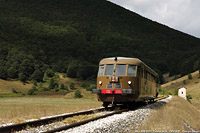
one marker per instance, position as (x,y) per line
(125,122)
(119,123)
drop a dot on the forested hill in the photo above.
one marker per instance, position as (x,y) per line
(73,35)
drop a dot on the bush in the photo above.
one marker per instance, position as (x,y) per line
(189,97)
(31,92)
(34,82)
(51,84)
(22,77)
(13,90)
(199,73)
(92,86)
(78,94)
(184,82)
(72,86)
(50,72)
(45,77)
(190,76)
(176,92)
(63,87)
(84,85)
(37,75)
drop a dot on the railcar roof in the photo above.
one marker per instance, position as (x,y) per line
(125,60)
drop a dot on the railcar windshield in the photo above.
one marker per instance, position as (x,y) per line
(101,69)
(131,70)
(120,69)
(109,69)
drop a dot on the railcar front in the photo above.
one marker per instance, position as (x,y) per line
(117,81)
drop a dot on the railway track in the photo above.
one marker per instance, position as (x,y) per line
(21,126)
(35,123)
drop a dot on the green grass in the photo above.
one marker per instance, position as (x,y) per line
(21,108)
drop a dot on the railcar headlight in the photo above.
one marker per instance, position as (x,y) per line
(100,82)
(129,82)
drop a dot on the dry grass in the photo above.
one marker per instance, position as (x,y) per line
(179,82)
(20,108)
(193,87)
(6,86)
(173,116)
(79,118)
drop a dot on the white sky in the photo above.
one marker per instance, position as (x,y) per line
(183,15)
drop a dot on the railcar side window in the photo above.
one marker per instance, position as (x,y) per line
(120,69)
(109,69)
(131,70)
(101,68)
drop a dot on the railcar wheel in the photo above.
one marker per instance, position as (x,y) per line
(156,94)
(105,105)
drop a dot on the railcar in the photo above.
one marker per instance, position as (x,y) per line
(122,80)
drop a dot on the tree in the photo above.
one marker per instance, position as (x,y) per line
(37,75)
(3,72)
(51,84)
(189,76)
(45,77)
(72,86)
(22,77)
(50,72)
(78,94)
(12,73)
(72,69)
(62,86)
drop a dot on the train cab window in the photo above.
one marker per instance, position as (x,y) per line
(120,69)
(109,69)
(131,70)
(101,68)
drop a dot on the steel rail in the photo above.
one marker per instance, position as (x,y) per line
(84,122)
(21,126)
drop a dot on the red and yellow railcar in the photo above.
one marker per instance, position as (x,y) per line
(123,80)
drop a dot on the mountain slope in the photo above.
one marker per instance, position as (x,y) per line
(61,34)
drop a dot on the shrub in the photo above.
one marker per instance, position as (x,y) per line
(22,77)
(84,85)
(72,86)
(63,87)
(190,76)
(189,97)
(92,86)
(176,92)
(51,84)
(184,82)
(50,73)
(45,77)
(30,92)
(37,75)
(78,94)
(34,82)
(199,73)
(13,90)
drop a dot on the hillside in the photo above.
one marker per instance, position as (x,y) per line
(72,36)
(177,115)
(192,85)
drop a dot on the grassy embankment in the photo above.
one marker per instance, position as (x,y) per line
(192,85)
(18,109)
(44,103)
(176,115)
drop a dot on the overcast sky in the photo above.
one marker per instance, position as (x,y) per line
(183,15)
